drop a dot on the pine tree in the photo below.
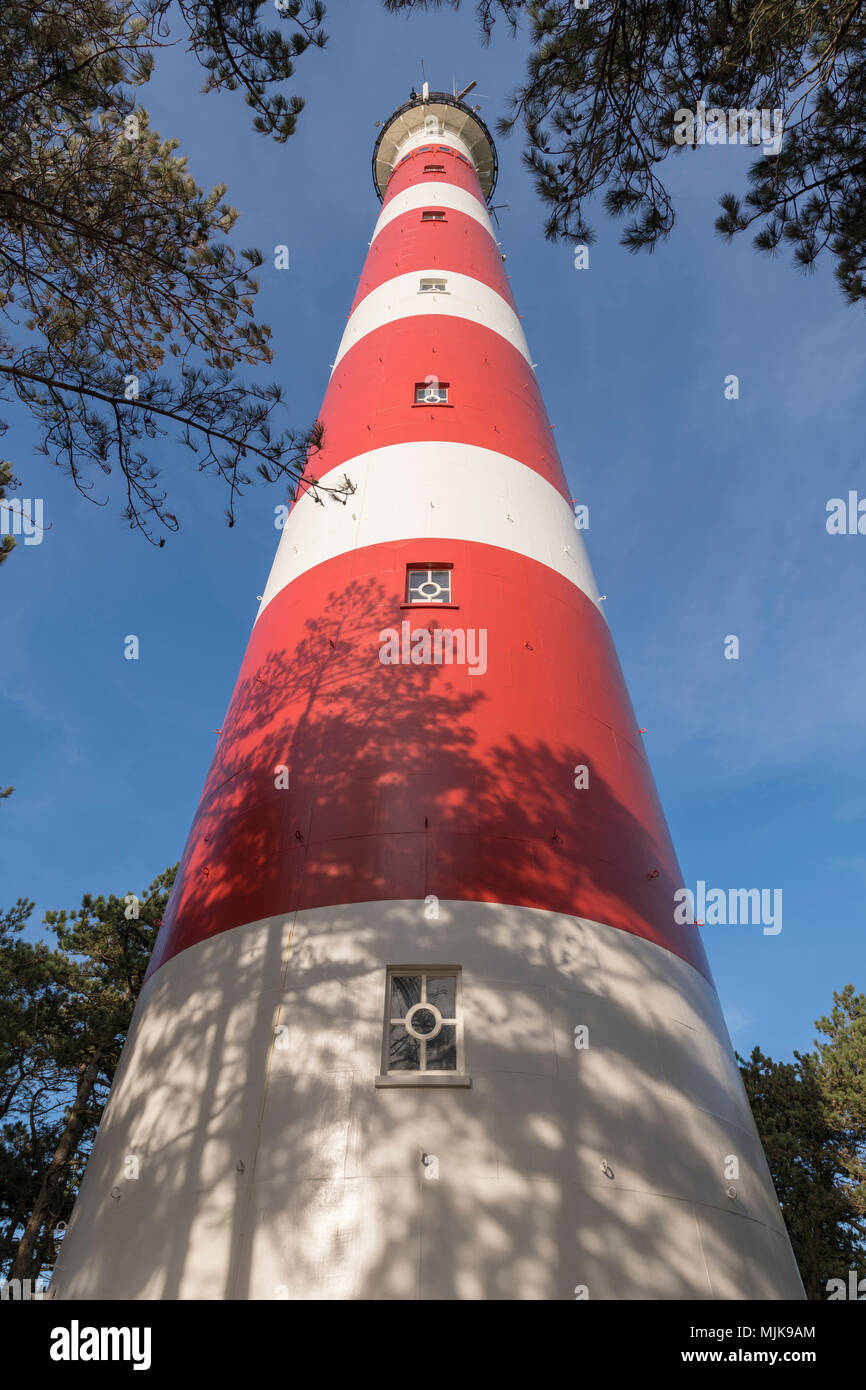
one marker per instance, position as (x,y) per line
(605,79)
(33,984)
(103,949)
(811,1116)
(841,1070)
(124,314)
(7,542)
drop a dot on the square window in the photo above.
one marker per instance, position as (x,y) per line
(423,1023)
(433,215)
(428,586)
(433,392)
(433,285)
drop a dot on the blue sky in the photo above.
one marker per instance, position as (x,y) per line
(707,517)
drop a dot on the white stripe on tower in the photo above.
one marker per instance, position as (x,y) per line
(438,490)
(446,196)
(401,297)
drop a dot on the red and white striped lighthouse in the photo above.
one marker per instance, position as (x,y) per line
(420,1022)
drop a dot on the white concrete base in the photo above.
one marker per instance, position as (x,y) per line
(272,1172)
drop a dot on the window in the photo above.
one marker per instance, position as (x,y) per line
(433,286)
(433,215)
(428,585)
(423,1025)
(433,392)
(434,168)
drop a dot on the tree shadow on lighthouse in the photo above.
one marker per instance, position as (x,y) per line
(286,1172)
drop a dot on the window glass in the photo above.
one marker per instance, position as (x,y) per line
(442,1050)
(441,991)
(405,991)
(424,1021)
(405,1051)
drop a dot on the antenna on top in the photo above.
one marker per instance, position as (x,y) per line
(460,95)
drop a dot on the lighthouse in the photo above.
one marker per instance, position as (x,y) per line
(421,1021)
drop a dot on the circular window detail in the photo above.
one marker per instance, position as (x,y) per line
(423,1021)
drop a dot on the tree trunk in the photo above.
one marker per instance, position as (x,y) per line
(22,1265)
(6,1241)
(12,1092)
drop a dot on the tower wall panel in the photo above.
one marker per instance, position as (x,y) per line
(406,245)
(493,403)
(409,779)
(435,489)
(274,1172)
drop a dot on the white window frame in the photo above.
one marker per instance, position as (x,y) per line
(427,398)
(433,284)
(459,1077)
(429,570)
